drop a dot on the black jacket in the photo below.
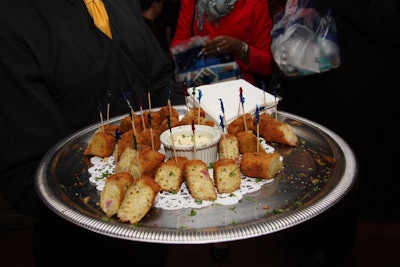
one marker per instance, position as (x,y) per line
(55,68)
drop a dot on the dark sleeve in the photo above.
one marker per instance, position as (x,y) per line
(29,118)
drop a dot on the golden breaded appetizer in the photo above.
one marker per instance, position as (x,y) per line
(139,199)
(248,142)
(193,115)
(114,192)
(145,137)
(150,161)
(261,165)
(172,123)
(101,145)
(226,175)
(170,174)
(155,119)
(165,111)
(200,121)
(237,125)
(274,131)
(228,147)
(198,180)
(125,160)
(206,121)
(126,124)
(194,112)
(128,161)
(125,141)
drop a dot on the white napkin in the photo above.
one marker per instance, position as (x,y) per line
(229,92)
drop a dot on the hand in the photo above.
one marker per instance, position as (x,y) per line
(221,45)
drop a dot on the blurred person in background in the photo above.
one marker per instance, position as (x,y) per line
(151,12)
(170,15)
(357,102)
(239,27)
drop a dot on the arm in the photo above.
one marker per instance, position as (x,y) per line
(184,25)
(30,120)
(260,56)
(254,32)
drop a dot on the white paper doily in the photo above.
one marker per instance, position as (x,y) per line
(103,167)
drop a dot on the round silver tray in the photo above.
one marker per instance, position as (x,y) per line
(317,174)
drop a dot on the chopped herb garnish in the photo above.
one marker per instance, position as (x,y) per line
(249,198)
(106,218)
(298,203)
(193,212)
(277,211)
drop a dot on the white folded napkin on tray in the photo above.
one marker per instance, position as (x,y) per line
(229,92)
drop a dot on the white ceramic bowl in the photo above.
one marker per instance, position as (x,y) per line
(207,139)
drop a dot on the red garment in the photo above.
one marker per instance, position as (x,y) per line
(249,21)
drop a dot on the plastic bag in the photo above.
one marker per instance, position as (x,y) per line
(195,69)
(303,41)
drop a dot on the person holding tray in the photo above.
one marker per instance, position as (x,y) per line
(57,71)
